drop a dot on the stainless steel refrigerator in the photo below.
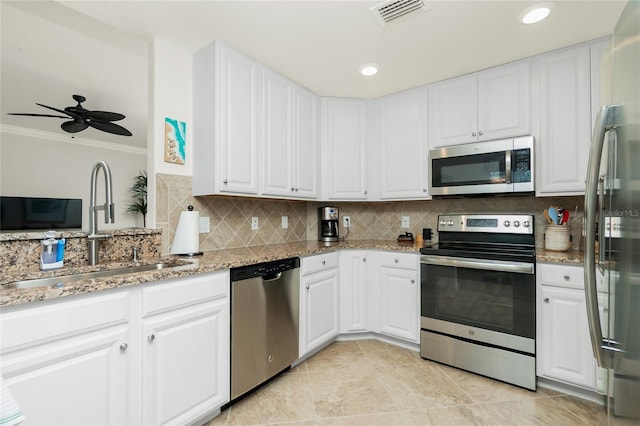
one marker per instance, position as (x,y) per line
(612,224)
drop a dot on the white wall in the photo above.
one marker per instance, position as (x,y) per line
(170,95)
(42,164)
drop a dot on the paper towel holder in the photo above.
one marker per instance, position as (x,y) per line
(186,240)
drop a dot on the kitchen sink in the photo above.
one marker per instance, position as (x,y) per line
(65,279)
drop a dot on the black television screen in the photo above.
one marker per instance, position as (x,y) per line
(26,213)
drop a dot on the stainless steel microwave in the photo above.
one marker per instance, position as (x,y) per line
(493,167)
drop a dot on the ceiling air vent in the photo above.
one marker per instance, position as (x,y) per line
(392,11)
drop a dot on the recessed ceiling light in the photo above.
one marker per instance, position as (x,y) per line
(536,13)
(368,69)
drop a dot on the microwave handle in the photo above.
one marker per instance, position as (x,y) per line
(507,165)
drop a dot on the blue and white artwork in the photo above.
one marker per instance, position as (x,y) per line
(175,136)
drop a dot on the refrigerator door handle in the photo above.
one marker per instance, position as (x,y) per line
(604,121)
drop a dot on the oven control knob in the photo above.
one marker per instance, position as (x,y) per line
(507,224)
(526,224)
(450,222)
(442,222)
(516,223)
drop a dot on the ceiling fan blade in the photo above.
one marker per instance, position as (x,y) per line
(104,115)
(110,128)
(56,109)
(38,115)
(73,126)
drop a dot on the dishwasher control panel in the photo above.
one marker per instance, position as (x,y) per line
(264,269)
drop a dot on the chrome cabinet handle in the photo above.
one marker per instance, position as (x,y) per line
(307,286)
(292,189)
(567,278)
(480,133)
(296,189)
(324,262)
(473,134)
(413,281)
(151,337)
(396,260)
(364,259)
(123,347)
(225,181)
(365,192)
(546,300)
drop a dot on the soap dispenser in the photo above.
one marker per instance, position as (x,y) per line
(51,256)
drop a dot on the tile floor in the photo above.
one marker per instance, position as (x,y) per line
(368,382)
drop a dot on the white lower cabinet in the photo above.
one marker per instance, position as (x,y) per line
(68,363)
(185,339)
(90,359)
(354,287)
(399,295)
(563,344)
(380,293)
(318,301)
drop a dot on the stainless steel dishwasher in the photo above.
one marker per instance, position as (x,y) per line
(264,322)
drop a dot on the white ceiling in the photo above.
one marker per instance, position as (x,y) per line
(319,44)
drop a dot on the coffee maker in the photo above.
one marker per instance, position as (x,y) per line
(328,224)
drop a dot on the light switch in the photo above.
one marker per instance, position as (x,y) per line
(285,222)
(254,223)
(405,221)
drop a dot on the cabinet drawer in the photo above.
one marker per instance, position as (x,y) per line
(30,325)
(171,294)
(399,260)
(561,275)
(319,262)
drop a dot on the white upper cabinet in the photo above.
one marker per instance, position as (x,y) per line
(242,109)
(289,138)
(306,132)
(344,168)
(403,145)
(226,121)
(491,104)
(563,120)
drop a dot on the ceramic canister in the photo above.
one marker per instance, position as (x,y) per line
(557,238)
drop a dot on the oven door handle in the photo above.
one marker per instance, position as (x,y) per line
(485,264)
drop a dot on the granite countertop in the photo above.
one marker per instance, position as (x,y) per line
(209,262)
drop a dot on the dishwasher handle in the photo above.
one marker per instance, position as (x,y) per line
(271,277)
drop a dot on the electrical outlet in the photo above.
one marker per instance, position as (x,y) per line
(285,222)
(254,223)
(205,228)
(405,221)
(346,221)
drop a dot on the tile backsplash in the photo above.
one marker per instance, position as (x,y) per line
(230,217)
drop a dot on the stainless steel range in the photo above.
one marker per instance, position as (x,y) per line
(478,309)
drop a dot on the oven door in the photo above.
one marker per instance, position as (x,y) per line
(488,301)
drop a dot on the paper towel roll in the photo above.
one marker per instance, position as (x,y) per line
(187,239)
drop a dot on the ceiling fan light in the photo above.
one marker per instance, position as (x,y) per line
(368,70)
(535,13)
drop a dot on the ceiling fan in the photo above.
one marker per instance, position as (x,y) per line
(81,118)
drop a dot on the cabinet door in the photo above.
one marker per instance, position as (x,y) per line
(185,363)
(238,122)
(453,108)
(403,145)
(344,149)
(564,128)
(305,167)
(565,347)
(277,143)
(504,101)
(353,290)
(319,305)
(399,293)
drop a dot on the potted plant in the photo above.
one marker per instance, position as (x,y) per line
(139,195)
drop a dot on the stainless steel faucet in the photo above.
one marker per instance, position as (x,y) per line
(108,207)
